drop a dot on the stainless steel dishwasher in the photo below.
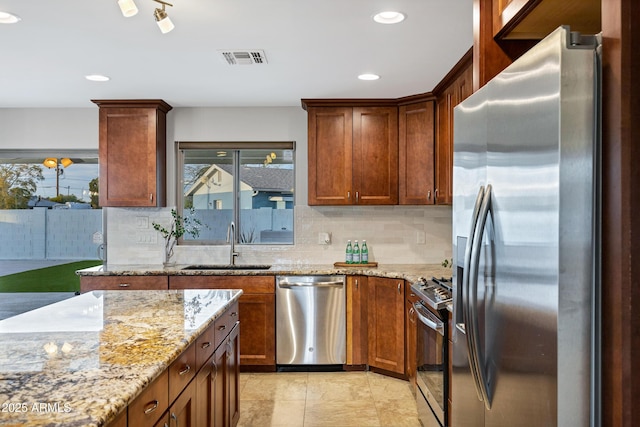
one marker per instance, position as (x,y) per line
(310,320)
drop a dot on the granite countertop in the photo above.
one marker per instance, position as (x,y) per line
(410,272)
(81,361)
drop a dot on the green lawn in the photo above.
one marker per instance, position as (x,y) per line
(59,278)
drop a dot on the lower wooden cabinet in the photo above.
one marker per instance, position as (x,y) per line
(386,324)
(193,394)
(411,337)
(356,320)
(257,309)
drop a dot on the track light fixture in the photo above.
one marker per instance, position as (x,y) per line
(163,20)
(129,8)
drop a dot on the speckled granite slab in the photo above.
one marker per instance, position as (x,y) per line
(81,361)
(410,272)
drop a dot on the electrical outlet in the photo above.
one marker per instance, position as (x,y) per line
(324,238)
(421,238)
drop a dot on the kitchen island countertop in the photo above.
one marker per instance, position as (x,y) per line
(409,272)
(81,361)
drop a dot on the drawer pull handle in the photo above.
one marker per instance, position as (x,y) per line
(174,418)
(185,370)
(124,285)
(152,407)
(205,345)
(234,314)
(222,327)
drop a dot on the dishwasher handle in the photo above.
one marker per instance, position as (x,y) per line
(289,285)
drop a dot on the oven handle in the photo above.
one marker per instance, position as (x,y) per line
(428,318)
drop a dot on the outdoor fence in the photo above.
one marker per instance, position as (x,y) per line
(49,233)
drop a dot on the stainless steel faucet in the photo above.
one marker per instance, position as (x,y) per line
(231,238)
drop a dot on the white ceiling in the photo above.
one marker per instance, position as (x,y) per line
(314,48)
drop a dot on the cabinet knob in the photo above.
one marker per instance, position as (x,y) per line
(205,345)
(186,369)
(222,327)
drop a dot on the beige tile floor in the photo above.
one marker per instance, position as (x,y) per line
(316,399)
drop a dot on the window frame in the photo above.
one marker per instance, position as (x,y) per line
(236,147)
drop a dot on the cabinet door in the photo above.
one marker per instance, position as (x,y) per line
(258,344)
(444,148)
(357,320)
(416,133)
(375,155)
(330,156)
(205,393)
(220,387)
(132,153)
(183,411)
(149,406)
(411,336)
(233,376)
(386,324)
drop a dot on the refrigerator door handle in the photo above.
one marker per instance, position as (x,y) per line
(479,356)
(465,290)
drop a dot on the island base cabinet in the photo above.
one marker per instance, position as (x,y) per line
(217,391)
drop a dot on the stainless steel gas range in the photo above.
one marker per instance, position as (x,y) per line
(432,350)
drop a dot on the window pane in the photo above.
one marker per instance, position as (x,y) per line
(208,190)
(253,187)
(266,197)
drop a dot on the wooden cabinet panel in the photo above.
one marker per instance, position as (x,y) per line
(330,155)
(249,284)
(357,320)
(353,155)
(416,135)
(147,408)
(450,96)
(386,324)
(120,421)
(375,155)
(182,412)
(205,346)
(411,337)
(132,152)
(114,283)
(233,368)
(258,344)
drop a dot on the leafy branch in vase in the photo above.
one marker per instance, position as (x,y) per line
(178,227)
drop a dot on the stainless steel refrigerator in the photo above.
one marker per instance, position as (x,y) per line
(526,241)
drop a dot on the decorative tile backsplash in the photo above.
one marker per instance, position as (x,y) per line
(394,235)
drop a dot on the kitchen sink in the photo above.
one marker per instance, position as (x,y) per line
(227,267)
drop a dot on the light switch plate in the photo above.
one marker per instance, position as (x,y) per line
(421,238)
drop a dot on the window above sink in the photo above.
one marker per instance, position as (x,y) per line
(250,183)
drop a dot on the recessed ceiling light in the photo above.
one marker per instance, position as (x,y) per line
(97,78)
(368,76)
(389,17)
(8,18)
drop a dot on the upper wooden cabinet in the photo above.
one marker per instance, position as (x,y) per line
(132,152)
(416,133)
(456,87)
(353,155)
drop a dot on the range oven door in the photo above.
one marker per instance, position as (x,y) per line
(432,367)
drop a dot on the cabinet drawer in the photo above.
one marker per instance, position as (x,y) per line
(181,371)
(111,283)
(225,323)
(205,346)
(249,284)
(147,408)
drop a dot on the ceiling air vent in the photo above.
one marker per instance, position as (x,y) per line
(243,57)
